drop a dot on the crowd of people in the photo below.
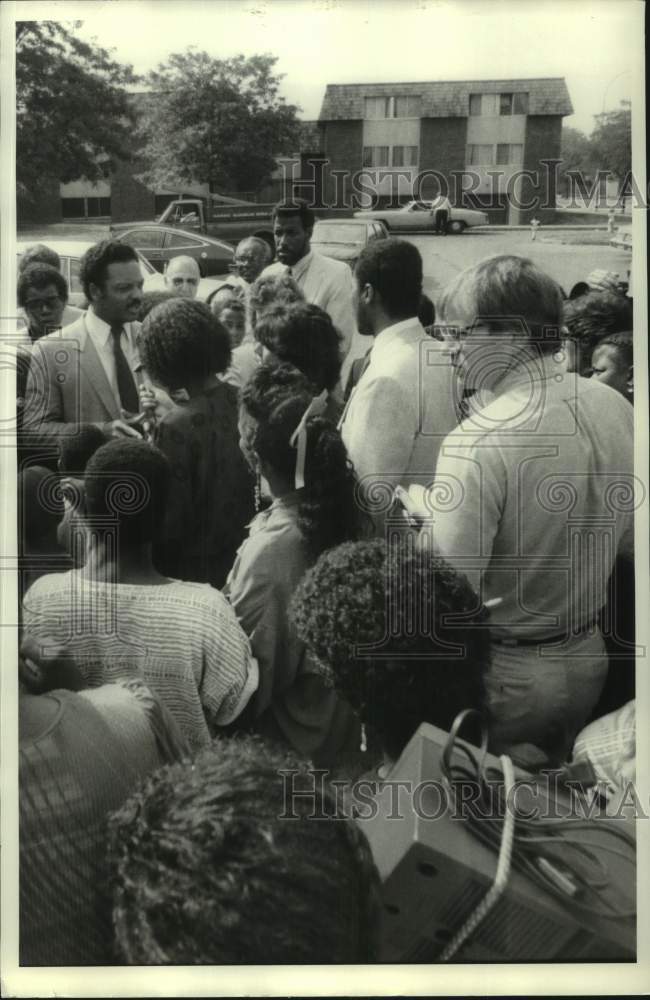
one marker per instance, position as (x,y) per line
(281,529)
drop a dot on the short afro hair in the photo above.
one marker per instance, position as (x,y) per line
(271,290)
(94,264)
(215,862)
(304,336)
(595,314)
(181,341)
(426,624)
(152,299)
(295,207)
(128,481)
(78,447)
(394,270)
(40,276)
(39,253)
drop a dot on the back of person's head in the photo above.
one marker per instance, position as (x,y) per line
(37,277)
(39,253)
(427,311)
(505,294)
(152,299)
(401,634)
(394,270)
(595,314)
(215,862)
(276,397)
(295,207)
(272,290)
(303,335)
(94,265)
(77,448)
(127,482)
(182,342)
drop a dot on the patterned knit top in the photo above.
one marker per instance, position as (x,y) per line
(182,639)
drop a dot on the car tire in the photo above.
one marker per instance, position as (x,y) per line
(456,226)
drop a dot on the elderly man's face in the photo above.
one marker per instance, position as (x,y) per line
(250,260)
(182,278)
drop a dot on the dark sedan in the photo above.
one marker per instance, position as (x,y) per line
(344,239)
(160,244)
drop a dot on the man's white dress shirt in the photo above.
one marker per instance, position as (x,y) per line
(400,411)
(100,334)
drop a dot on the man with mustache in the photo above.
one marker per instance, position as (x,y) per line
(85,373)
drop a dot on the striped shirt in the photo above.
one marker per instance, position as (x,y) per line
(183,639)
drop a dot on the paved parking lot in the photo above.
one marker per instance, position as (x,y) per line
(445,256)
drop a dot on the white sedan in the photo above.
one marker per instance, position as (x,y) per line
(417,217)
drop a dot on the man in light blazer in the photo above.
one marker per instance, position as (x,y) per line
(86,372)
(406,400)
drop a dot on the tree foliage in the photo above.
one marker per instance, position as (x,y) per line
(612,140)
(73,117)
(215,121)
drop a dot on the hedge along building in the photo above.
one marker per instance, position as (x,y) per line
(486,143)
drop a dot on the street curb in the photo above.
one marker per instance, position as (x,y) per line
(541,228)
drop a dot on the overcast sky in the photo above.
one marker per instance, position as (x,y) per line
(591,44)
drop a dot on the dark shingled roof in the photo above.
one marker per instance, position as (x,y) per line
(445,98)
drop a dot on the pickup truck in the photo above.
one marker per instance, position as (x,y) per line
(230,222)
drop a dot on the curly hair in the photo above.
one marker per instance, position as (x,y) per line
(394,269)
(295,206)
(623,343)
(304,336)
(272,290)
(181,341)
(593,316)
(94,264)
(38,253)
(276,397)
(422,626)
(214,861)
(152,299)
(40,276)
(77,447)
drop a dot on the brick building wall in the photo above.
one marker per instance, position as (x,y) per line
(343,149)
(442,148)
(543,142)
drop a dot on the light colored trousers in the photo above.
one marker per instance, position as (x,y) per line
(544,700)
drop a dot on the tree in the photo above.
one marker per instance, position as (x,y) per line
(612,141)
(73,117)
(215,121)
(576,156)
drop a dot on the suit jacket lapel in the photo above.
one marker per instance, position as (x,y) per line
(95,376)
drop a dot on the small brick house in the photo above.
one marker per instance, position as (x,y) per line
(484,142)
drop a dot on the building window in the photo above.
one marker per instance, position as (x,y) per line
(480,156)
(475,104)
(378,107)
(85,208)
(405,156)
(483,104)
(406,107)
(513,104)
(375,156)
(505,104)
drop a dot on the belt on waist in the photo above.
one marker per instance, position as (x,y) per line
(507,640)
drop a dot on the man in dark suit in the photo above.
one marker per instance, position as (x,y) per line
(85,373)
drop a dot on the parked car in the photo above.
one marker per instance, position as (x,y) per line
(416,217)
(344,239)
(160,244)
(622,238)
(221,218)
(71,253)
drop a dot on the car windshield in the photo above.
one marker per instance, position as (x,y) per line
(339,232)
